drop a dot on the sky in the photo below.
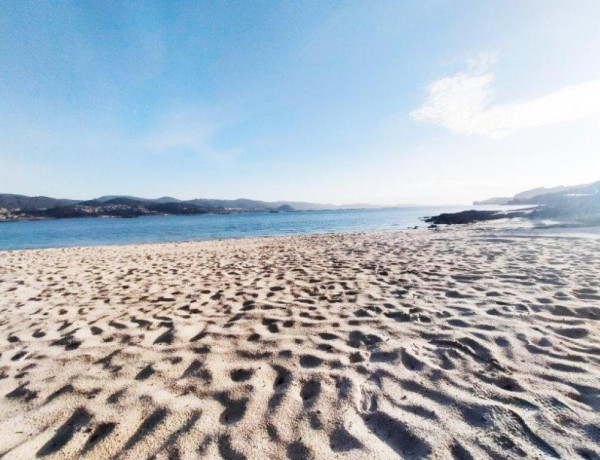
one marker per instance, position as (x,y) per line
(382,102)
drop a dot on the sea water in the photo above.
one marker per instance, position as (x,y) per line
(154,229)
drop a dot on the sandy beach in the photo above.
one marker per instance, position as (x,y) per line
(456,343)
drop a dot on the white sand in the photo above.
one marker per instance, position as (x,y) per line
(455,343)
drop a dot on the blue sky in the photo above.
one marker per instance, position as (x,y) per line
(429,102)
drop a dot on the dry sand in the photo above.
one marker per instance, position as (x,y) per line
(459,343)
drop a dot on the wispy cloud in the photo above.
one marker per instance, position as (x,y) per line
(187,131)
(183,131)
(463,104)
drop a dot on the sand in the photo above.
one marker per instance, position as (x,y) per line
(457,343)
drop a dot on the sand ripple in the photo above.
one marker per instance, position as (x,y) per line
(447,344)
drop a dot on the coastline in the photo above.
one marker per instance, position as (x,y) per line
(250,238)
(98,232)
(413,343)
(499,225)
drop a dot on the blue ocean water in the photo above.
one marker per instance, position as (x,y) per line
(154,229)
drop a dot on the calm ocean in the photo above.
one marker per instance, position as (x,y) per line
(153,229)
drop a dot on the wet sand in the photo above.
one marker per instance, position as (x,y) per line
(456,343)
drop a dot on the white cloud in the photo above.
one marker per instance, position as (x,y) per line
(462,103)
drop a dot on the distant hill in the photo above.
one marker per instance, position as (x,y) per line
(164,199)
(24,207)
(257,205)
(557,195)
(30,203)
(543,195)
(495,200)
(528,194)
(118,207)
(243,204)
(580,203)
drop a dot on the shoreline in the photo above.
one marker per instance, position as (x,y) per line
(98,232)
(214,240)
(517,224)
